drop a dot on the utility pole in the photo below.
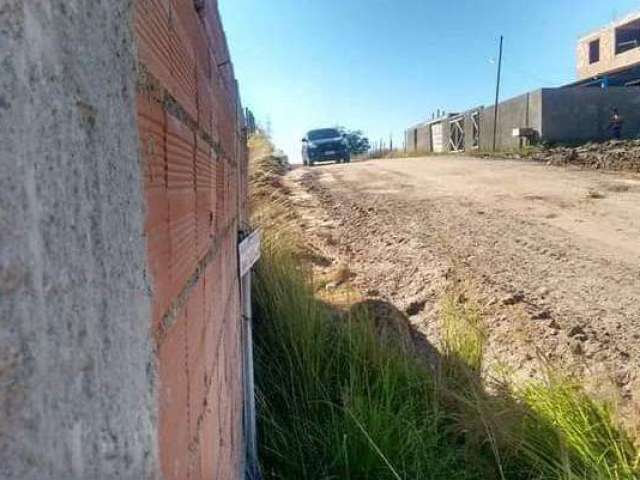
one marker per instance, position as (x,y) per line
(495,110)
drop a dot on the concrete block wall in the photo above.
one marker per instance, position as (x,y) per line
(193,160)
(578,115)
(558,115)
(424,138)
(524,111)
(410,139)
(122,184)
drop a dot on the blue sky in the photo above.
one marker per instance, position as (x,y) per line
(382,65)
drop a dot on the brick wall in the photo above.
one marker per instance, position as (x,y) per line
(194,165)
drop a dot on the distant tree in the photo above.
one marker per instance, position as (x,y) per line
(356,140)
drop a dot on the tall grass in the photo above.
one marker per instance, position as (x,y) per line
(335,401)
(567,435)
(338,400)
(539,430)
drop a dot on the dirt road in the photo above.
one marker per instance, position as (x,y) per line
(552,255)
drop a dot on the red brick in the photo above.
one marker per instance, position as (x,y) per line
(151,127)
(213,226)
(182,201)
(153,38)
(185,11)
(205,102)
(214,317)
(215,33)
(224,129)
(203,217)
(183,262)
(192,24)
(195,470)
(226,284)
(204,200)
(217,108)
(173,403)
(196,348)
(209,448)
(210,436)
(183,68)
(218,196)
(224,406)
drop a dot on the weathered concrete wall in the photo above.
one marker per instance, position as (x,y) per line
(575,115)
(410,143)
(424,139)
(524,111)
(418,139)
(609,61)
(76,362)
(195,171)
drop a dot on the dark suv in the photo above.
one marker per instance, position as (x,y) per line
(326,144)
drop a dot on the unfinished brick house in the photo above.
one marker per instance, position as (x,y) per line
(123,189)
(612,52)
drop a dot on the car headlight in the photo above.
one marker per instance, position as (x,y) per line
(312,145)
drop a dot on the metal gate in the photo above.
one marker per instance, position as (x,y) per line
(475,124)
(436,138)
(456,136)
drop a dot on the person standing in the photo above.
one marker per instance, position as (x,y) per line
(615,124)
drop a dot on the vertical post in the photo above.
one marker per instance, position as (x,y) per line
(250,405)
(495,111)
(248,255)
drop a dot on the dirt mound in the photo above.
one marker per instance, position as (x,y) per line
(618,155)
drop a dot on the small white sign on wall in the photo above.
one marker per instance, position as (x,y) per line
(249,250)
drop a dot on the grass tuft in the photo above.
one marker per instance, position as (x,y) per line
(334,400)
(570,436)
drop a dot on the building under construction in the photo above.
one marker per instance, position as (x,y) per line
(608,68)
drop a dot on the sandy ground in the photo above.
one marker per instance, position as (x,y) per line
(552,255)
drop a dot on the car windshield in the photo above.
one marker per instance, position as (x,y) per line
(323,134)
